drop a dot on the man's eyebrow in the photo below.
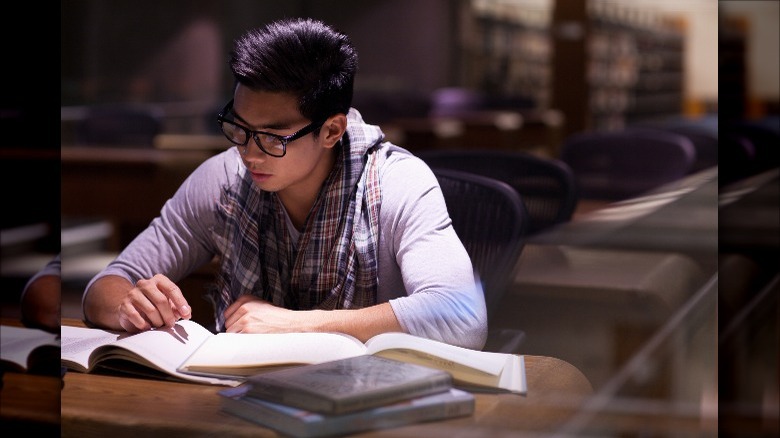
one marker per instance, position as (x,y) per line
(233,110)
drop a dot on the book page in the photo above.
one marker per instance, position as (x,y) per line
(77,343)
(16,343)
(164,349)
(511,380)
(487,362)
(468,367)
(235,350)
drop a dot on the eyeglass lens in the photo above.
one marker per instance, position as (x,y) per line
(270,144)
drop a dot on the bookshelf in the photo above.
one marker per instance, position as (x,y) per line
(632,58)
(604,64)
(506,51)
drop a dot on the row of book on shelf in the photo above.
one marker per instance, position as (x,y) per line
(301,384)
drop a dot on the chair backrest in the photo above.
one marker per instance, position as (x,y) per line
(704,141)
(546,185)
(490,219)
(702,132)
(119,125)
(615,165)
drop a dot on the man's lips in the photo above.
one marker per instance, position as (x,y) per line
(260,177)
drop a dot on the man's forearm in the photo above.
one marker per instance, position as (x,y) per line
(360,323)
(103,299)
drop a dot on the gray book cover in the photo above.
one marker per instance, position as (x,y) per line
(348,385)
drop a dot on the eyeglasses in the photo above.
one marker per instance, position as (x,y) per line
(272,144)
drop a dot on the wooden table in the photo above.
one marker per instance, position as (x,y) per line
(29,403)
(681,216)
(117,406)
(101,405)
(615,275)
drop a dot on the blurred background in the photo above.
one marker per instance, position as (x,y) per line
(141,83)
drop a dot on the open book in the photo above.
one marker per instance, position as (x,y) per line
(31,350)
(153,353)
(189,351)
(234,354)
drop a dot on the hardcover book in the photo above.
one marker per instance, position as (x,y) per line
(348,385)
(288,420)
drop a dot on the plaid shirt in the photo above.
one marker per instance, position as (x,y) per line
(334,264)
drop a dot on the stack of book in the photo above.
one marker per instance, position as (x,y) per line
(347,396)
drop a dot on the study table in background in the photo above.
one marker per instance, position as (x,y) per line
(125,186)
(631,294)
(103,405)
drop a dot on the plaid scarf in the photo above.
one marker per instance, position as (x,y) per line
(334,265)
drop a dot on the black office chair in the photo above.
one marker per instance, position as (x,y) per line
(490,218)
(546,185)
(701,133)
(617,165)
(119,125)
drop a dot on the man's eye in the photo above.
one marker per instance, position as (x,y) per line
(270,140)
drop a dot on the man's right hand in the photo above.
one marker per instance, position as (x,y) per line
(115,303)
(154,302)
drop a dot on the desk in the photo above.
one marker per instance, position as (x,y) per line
(102,405)
(749,217)
(628,294)
(594,307)
(614,275)
(681,216)
(29,403)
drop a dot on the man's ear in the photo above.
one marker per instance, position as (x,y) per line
(333,129)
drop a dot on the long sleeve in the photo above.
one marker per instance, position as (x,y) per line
(180,239)
(425,272)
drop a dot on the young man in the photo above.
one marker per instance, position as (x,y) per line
(317,222)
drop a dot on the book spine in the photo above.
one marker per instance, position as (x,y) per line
(263,415)
(303,425)
(369,420)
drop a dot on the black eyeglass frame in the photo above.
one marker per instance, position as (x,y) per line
(283,139)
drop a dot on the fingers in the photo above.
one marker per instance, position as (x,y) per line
(156,306)
(153,302)
(178,304)
(130,320)
(233,327)
(232,313)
